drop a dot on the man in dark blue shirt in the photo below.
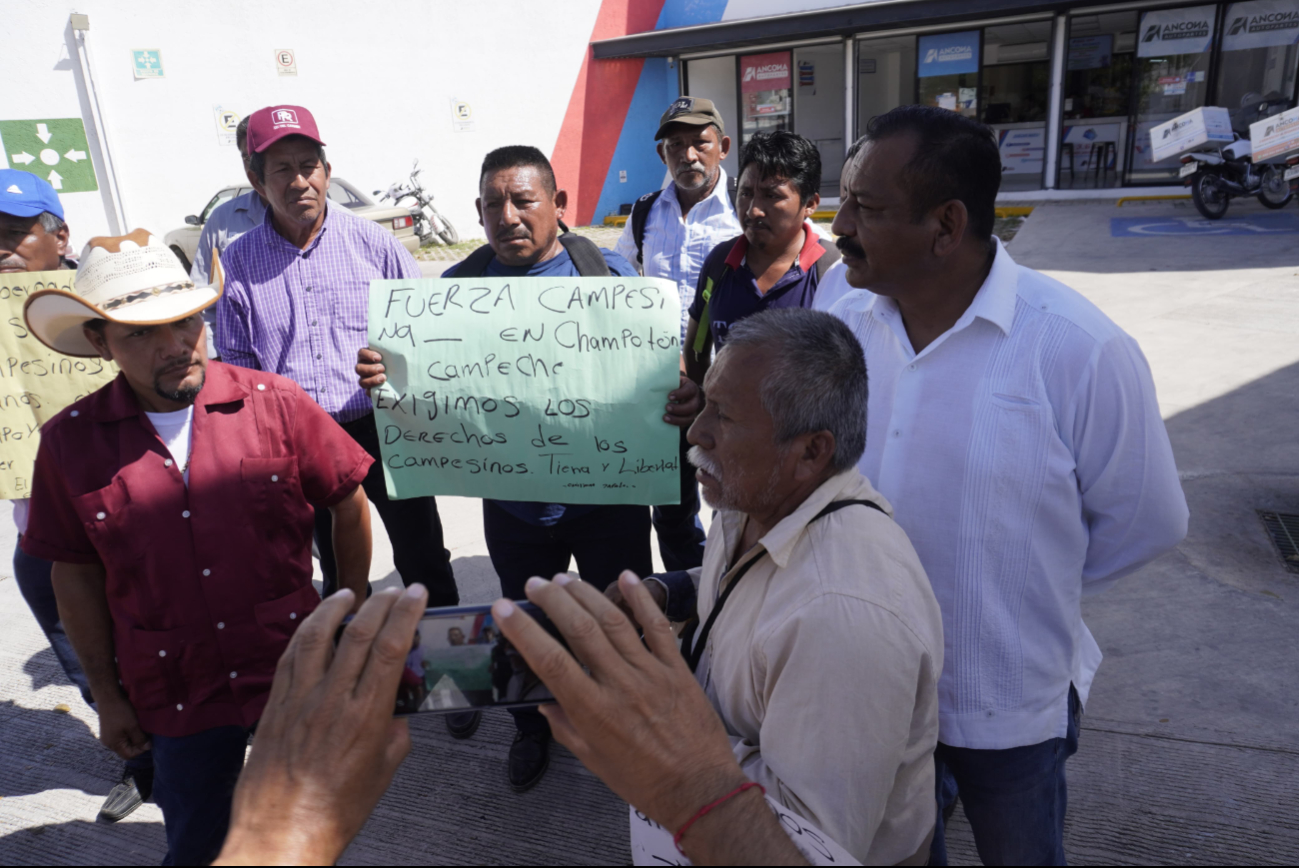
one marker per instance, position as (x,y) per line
(521,208)
(778,260)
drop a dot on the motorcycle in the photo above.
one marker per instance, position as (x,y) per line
(1217,177)
(429,224)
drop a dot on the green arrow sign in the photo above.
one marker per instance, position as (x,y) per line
(54,149)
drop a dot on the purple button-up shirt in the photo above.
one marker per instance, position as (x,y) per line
(303,314)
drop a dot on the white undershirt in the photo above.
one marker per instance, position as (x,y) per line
(174,429)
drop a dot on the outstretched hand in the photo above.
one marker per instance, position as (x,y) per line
(327,746)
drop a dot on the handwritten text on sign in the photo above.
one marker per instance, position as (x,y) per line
(544,389)
(35,382)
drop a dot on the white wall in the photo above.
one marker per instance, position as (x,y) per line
(379,78)
(714,78)
(818,109)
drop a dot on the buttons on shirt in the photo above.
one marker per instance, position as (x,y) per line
(261,387)
(221,625)
(101,515)
(274,478)
(911,367)
(897,433)
(313,322)
(162,653)
(308,289)
(185,514)
(317,355)
(75,413)
(207,572)
(293,616)
(234,674)
(166,462)
(180,706)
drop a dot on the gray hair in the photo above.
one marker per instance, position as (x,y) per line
(817,381)
(52,223)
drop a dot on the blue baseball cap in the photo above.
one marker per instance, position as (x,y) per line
(22,194)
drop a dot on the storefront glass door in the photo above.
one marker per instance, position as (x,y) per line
(1097,99)
(1172,77)
(886,77)
(1014,97)
(1256,76)
(765,100)
(818,108)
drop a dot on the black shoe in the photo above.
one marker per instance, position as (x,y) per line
(529,759)
(126,797)
(464,723)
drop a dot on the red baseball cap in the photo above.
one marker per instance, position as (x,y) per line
(267,126)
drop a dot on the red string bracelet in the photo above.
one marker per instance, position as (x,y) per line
(676,839)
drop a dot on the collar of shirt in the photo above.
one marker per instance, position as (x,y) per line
(274,238)
(994,302)
(251,204)
(779,542)
(118,401)
(719,199)
(807,257)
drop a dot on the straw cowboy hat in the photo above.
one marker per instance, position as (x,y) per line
(133,279)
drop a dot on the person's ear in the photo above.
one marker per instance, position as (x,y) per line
(726,146)
(815,454)
(258,184)
(813,203)
(478,203)
(951,220)
(561,203)
(63,234)
(662,154)
(329,173)
(98,341)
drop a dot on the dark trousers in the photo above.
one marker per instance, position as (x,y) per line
(1015,799)
(681,535)
(604,542)
(34,582)
(413,525)
(194,785)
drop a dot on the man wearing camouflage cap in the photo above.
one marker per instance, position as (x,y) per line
(669,234)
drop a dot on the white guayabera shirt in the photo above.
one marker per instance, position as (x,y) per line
(1025,457)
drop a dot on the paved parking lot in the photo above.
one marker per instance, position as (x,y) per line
(1190,744)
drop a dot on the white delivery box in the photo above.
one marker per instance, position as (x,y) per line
(1274,136)
(1197,127)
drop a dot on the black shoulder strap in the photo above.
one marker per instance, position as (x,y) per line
(586,255)
(639,217)
(475,264)
(830,257)
(694,651)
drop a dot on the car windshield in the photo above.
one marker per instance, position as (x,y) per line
(224,196)
(342,193)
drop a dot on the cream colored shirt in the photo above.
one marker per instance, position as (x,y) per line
(824,667)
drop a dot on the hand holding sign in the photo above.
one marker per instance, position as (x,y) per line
(529,388)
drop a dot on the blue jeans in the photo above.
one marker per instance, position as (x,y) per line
(681,534)
(1015,799)
(194,780)
(33,576)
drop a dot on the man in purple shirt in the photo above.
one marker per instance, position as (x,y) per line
(296,303)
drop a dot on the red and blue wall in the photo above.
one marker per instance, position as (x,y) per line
(615,107)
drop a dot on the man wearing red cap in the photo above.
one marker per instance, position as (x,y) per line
(296,303)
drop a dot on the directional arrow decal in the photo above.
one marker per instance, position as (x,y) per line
(56,180)
(23,158)
(75,155)
(43,133)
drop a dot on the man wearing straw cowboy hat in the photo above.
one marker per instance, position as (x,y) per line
(177,506)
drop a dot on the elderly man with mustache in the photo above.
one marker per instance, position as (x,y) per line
(817,639)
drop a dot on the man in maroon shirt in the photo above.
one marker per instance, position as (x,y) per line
(177,506)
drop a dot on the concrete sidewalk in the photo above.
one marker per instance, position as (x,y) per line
(1190,744)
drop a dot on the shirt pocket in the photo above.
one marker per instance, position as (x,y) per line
(154,672)
(106,514)
(280,618)
(350,317)
(270,483)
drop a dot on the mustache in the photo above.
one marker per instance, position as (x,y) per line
(850,246)
(704,462)
(512,234)
(693,167)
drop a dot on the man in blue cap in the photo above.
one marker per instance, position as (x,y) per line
(33,236)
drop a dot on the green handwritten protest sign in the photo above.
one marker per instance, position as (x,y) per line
(544,389)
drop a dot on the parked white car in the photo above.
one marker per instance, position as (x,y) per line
(184,241)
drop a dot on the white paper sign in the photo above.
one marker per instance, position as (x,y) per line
(1176,31)
(651,844)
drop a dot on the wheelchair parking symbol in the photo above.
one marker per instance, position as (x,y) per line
(1250,225)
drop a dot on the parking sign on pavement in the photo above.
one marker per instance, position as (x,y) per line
(52,148)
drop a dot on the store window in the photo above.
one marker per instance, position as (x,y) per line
(949,71)
(765,100)
(1171,78)
(714,78)
(1014,96)
(886,77)
(818,108)
(1256,76)
(1100,51)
